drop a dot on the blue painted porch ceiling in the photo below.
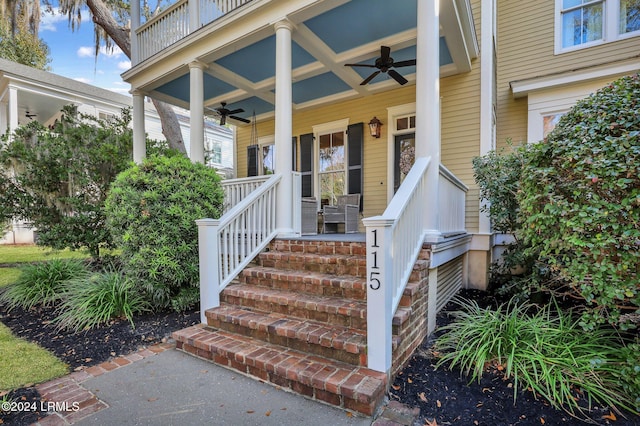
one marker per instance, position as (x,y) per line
(212,87)
(361,21)
(257,62)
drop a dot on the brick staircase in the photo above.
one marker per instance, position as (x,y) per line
(296,318)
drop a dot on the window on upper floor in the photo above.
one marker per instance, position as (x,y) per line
(583,23)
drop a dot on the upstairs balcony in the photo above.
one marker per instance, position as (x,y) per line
(177,22)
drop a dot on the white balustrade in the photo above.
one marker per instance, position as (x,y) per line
(177,22)
(228,244)
(236,190)
(452,203)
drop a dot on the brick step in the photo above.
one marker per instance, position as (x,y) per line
(339,343)
(320,247)
(336,383)
(306,282)
(332,264)
(331,310)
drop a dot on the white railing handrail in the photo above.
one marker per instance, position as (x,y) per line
(228,244)
(235,190)
(452,195)
(394,240)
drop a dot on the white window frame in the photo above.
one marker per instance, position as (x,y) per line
(393,113)
(262,142)
(610,27)
(323,129)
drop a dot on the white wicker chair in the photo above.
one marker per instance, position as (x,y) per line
(347,212)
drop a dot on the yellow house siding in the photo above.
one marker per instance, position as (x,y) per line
(526,50)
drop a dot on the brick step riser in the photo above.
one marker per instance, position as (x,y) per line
(316,345)
(344,317)
(353,388)
(352,267)
(313,285)
(320,247)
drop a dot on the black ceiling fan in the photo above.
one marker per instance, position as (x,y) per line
(29,115)
(386,64)
(223,113)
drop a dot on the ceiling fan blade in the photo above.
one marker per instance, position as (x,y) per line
(405,63)
(235,111)
(368,79)
(360,65)
(244,120)
(397,77)
(384,54)
(223,119)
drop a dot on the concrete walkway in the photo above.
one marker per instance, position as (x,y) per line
(163,386)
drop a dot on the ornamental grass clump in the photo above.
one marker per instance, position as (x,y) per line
(544,350)
(98,299)
(42,283)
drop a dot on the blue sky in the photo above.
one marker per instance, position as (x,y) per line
(72,53)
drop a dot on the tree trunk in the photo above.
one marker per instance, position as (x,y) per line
(122,38)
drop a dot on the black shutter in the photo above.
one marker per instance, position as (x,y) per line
(252,160)
(294,154)
(355,133)
(306,164)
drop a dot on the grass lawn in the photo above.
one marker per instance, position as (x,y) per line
(25,363)
(33,253)
(8,276)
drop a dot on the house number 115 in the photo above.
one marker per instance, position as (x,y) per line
(374,282)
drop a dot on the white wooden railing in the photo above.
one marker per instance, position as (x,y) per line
(236,190)
(177,22)
(452,195)
(228,244)
(394,241)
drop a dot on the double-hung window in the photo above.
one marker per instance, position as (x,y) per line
(583,23)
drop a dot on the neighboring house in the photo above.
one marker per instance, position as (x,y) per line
(29,94)
(315,74)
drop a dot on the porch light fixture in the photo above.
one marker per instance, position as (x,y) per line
(374,127)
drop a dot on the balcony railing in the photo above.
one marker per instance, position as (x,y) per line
(177,22)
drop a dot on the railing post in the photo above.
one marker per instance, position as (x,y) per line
(208,255)
(379,292)
(194,15)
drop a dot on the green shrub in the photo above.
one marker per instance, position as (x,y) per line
(151,212)
(57,179)
(545,350)
(580,201)
(42,283)
(89,302)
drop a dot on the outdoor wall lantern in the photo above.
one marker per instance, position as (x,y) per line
(374,127)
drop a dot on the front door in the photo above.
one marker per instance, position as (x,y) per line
(405,155)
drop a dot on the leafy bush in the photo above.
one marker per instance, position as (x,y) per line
(57,179)
(89,302)
(544,350)
(580,201)
(151,211)
(42,283)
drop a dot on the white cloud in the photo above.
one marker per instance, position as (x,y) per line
(124,65)
(50,20)
(85,52)
(114,52)
(83,80)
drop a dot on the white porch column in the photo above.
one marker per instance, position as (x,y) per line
(139,133)
(194,15)
(135,23)
(13,109)
(4,119)
(196,106)
(283,128)
(428,106)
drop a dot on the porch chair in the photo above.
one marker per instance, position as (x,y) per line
(347,212)
(309,218)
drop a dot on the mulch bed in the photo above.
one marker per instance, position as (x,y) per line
(443,396)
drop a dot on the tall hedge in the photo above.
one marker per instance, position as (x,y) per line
(151,212)
(580,201)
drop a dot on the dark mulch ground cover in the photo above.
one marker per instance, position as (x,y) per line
(443,396)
